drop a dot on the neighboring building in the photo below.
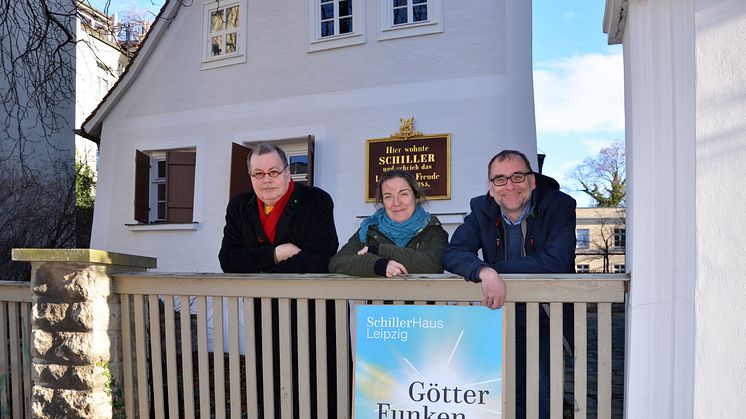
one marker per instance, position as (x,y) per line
(99,63)
(601,240)
(319,77)
(685,78)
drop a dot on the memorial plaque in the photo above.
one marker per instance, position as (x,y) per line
(428,157)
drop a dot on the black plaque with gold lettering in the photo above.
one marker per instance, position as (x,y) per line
(428,157)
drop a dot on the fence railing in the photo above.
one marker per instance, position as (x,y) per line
(15,352)
(270,346)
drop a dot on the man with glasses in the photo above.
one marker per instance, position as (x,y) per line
(280,226)
(524,224)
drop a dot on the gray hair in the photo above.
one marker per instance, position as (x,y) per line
(267,148)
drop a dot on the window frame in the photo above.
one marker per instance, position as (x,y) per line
(184,160)
(583,268)
(587,236)
(388,30)
(619,268)
(209,61)
(620,237)
(318,43)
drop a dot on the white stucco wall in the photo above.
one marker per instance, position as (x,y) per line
(720,334)
(685,74)
(473,81)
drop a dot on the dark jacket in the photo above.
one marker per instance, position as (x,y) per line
(307,222)
(549,236)
(423,254)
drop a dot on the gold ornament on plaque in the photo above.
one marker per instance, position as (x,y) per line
(406,131)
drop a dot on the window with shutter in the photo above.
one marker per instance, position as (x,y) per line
(164,186)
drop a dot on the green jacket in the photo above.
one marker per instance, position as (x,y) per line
(423,254)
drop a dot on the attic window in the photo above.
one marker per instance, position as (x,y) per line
(335,23)
(224,34)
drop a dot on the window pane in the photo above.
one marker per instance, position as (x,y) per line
(400,16)
(298,165)
(217,45)
(419,1)
(345,25)
(161,169)
(161,213)
(419,13)
(230,43)
(216,21)
(232,20)
(327,28)
(345,8)
(161,192)
(327,11)
(400,3)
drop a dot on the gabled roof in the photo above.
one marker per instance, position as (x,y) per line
(91,127)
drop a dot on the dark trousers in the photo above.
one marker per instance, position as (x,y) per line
(544,365)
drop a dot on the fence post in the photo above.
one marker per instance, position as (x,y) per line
(76,354)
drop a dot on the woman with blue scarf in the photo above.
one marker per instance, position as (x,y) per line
(399,239)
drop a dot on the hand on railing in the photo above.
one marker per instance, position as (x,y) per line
(493,288)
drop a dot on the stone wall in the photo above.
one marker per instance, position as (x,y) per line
(76,353)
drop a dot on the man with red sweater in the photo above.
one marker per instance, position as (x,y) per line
(279,227)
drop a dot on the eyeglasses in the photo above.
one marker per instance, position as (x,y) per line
(517,177)
(272,173)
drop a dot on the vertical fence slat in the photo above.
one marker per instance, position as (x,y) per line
(4,367)
(185,323)
(304,373)
(218,356)
(322,382)
(129,387)
(509,360)
(252,401)
(203,359)
(140,356)
(604,360)
(286,358)
(267,357)
(234,358)
(556,359)
(532,360)
(15,359)
(343,366)
(155,356)
(581,360)
(171,367)
(26,355)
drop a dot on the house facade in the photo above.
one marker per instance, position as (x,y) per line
(321,78)
(601,240)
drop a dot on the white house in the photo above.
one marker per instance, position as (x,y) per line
(685,78)
(211,77)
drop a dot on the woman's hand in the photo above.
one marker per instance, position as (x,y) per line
(394,268)
(363,251)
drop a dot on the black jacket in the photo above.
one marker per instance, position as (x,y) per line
(549,236)
(307,222)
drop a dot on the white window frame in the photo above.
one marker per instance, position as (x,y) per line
(586,268)
(155,158)
(356,37)
(387,29)
(209,61)
(620,268)
(620,232)
(290,155)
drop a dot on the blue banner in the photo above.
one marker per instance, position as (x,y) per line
(428,362)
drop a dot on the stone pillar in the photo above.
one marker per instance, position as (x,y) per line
(76,320)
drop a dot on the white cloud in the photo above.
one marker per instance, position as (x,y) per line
(580,94)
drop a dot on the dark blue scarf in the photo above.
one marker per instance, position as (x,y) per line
(399,233)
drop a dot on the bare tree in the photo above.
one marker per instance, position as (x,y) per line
(604,177)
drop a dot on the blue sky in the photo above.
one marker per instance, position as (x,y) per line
(578,81)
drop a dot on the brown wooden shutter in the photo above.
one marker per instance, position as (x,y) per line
(142,187)
(180,186)
(311,145)
(240,179)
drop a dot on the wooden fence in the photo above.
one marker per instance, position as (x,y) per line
(15,358)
